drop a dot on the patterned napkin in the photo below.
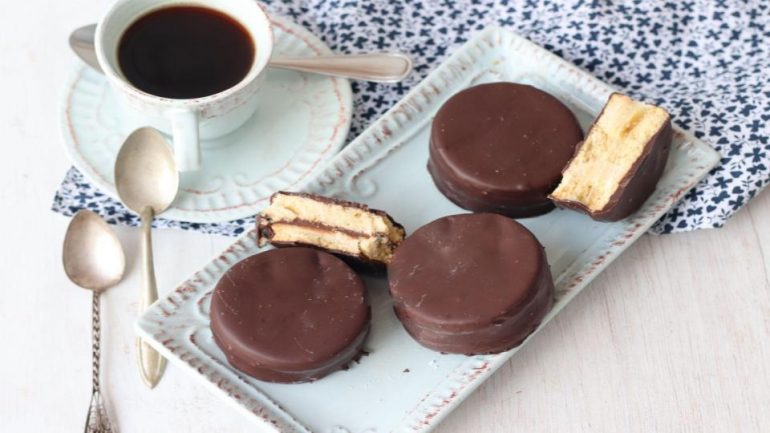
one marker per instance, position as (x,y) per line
(706,61)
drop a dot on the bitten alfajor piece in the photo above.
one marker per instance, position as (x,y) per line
(338,226)
(290,315)
(501,147)
(621,160)
(471,284)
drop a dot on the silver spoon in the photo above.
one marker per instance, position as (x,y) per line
(147,181)
(93,259)
(382,68)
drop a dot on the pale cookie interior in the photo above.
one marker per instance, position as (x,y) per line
(332,226)
(374,247)
(614,144)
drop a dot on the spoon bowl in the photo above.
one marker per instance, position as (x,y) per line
(145,172)
(81,41)
(92,255)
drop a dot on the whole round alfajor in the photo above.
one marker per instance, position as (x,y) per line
(501,147)
(471,284)
(290,315)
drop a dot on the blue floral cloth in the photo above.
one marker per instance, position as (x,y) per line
(706,61)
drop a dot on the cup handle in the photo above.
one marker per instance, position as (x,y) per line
(184,129)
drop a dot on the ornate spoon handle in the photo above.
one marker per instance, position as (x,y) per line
(96,339)
(97,420)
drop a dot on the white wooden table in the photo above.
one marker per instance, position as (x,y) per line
(674,336)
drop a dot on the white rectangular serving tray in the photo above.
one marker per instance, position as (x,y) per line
(400,386)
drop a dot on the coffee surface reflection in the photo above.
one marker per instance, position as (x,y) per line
(185,52)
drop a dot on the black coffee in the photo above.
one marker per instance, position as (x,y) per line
(185,52)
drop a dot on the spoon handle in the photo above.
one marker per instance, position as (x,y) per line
(383,68)
(151,363)
(96,339)
(97,420)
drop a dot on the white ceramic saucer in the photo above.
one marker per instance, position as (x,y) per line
(302,121)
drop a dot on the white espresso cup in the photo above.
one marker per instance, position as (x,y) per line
(188,121)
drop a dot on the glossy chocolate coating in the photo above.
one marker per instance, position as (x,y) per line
(290,315)
(501,147)
(637,184)
(471,284)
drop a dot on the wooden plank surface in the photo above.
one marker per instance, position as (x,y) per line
(673,337)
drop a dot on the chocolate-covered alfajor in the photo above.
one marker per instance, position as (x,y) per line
(290,315)
(501,147)
(349,229)
(471,284)
(620,162)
